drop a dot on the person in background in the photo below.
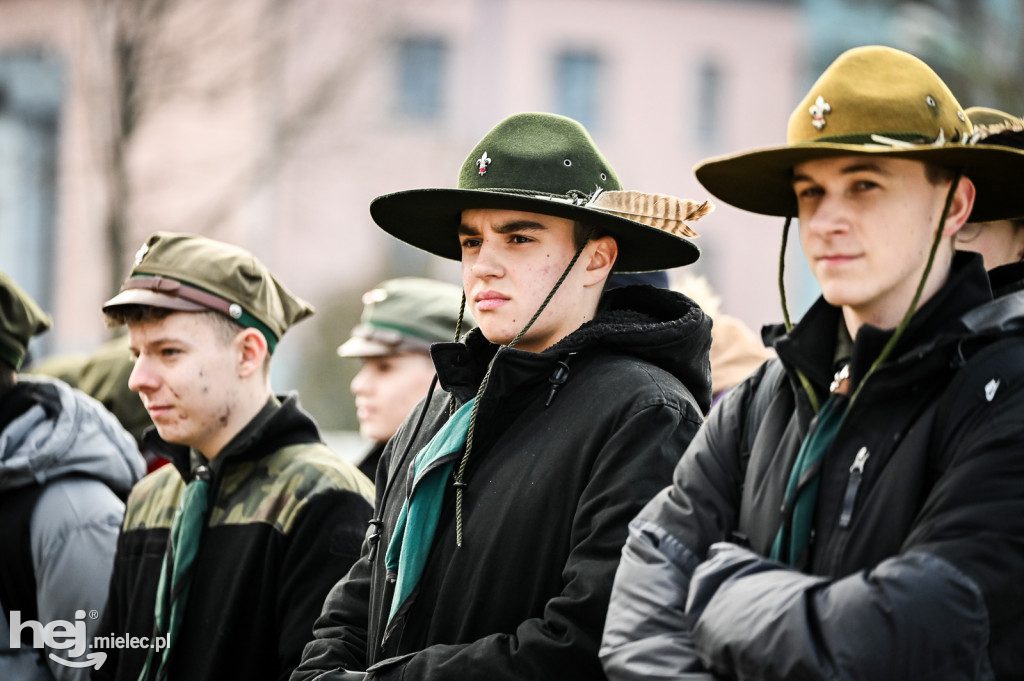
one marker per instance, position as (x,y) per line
(502,501)
(66,467)
(853,509)
(1000,242)
(401,319)
(224,557)
(735,350)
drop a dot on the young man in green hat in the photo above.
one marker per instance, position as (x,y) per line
(853,510)
(502,503)
(401,319)
(66,467)
(225,556)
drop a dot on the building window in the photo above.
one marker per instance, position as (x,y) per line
(31,88)
(577,87)
(709,105)
(421,73)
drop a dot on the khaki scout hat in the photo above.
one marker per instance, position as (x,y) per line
(20,319)
(537,163)
(871,100)
(406,315)
(193,274)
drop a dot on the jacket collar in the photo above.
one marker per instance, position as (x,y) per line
(280,423)
(810,345)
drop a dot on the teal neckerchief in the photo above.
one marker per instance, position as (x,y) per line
(804,481)
(176,572)
(417,521)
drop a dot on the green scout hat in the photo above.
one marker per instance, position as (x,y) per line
(538,163)
(406,315)
(193,274)
(871,100)
(20,319)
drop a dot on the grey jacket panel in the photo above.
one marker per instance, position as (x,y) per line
(644,636)
(71,444)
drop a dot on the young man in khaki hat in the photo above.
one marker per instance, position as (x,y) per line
(401,319)
(503,500)
(853,510)
(225,556)
(66,467)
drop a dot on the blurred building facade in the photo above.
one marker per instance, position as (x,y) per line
(273,125)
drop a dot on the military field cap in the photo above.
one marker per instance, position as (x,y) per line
(538,163)
(193,274)
(871,100)
(406,315)
(20,319)
(995,127)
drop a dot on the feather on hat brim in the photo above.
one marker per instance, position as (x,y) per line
(429,219)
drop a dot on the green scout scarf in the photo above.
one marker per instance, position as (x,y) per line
(417,521)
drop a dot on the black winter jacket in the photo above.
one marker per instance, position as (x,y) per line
(557,471)
(286,519)
(918,550)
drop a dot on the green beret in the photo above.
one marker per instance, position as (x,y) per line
(20,319)
(192,274)
(406,315)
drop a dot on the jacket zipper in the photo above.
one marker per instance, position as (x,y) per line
(852,485)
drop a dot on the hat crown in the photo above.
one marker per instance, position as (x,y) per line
(538,153)
(881,92)
(225,270)
(414,306)
(21,318)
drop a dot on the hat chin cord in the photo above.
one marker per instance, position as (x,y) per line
(459,481)
(911,309)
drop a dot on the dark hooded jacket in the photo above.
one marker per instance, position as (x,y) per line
(914,570)
(557,470)
(285,522)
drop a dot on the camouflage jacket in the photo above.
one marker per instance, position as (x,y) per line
(285,521)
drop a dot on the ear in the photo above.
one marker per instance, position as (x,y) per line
(960,207)
(252,352)
(603,252)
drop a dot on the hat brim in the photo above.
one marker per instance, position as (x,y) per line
(362,347)
(138,296)
(761,181)
(429,219)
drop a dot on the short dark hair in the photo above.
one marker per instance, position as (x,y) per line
(582,233)
(225,327)
(937,174)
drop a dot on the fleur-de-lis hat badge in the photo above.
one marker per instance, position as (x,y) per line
(482,163)
(818,111)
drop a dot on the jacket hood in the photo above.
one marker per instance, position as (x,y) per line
(65,432)
(657,325)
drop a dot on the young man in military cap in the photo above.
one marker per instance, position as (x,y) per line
(66,467)
(401,319)
(502,502)
(853,510)
(225,556)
